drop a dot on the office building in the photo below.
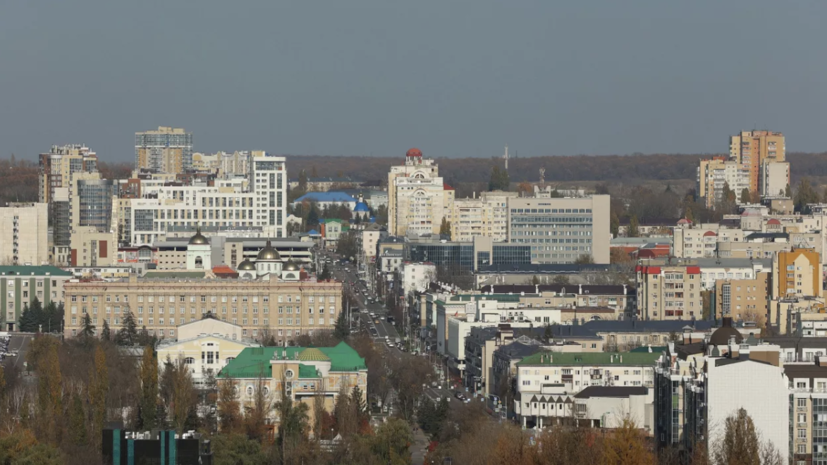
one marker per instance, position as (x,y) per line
(20,285)
(561,230)
(418,199)
(167,150)
(752,149)
(481,251)
(24,234)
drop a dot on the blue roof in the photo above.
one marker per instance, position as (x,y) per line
(361,207)
(325,197)
(313,232)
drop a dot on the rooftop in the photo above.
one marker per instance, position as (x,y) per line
(611,391)
(333,196)
(590,359)
(24,270)
(638,326)
(254,361)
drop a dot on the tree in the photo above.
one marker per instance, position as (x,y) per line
(805,195)
(561,279)
(499,180)
(106,335)
(177,392)
(229,413)
(357,400)
(23,448)
(614,224)
(342,329)
(77,422)
(745,196)
(325,274)
(626,446)
(525,189)
(237,449)
(788,192)
(87,329)
(292,424)
(27,321)
(98,389)
(445,228)
(44,351)
(740,444)
(347,247)
(392,441)
(584,259)
(128,334)
(312,218)
(148,403)
(302,181)
(634,227)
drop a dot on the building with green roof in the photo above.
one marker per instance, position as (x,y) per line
(303,373)
(20,285)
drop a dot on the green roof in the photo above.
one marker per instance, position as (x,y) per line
(33,270)
(312,354)
(591,358)
(307,371)
(253,361)
(174,274)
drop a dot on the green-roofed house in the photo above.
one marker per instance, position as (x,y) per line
(548,381)
(304,373)
(19,285)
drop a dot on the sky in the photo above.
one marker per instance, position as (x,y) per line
(455,78)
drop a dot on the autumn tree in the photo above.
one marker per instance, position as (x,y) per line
(584,259)
(626,446)
(148,403)
(746,197)
(445,228)
(805,194)
(255,415)
(292,427)
(740,444)
(49,389)
(634,227)
(228,407)
(178,393)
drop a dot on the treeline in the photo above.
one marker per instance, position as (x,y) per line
(19,179)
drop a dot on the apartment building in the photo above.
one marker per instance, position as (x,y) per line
(418,199)
(667,291)
(629,334)
(561,230)
(24,234)
(547,381)
(306,375)
(797,273)
(486,215)
(717,173)
(58,166)
(775,178)
(20,285)
(262,204)
(698,386)
(753,149)
(166,150)
(701,241)
(283,309)
(744,299)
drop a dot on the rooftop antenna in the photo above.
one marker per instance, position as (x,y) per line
(542,176)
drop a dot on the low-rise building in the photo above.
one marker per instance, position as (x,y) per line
(609,406)
(20,285)
(306,375)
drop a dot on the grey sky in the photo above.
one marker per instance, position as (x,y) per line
(454,78)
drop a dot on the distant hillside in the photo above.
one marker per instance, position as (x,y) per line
(575,168)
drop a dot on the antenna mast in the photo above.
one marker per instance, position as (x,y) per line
(505,157)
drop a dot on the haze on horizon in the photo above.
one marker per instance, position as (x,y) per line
(454,78)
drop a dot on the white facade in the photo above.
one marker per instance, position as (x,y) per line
(417,197)
(24,230)
(417,276)
(775,177)
(485,216)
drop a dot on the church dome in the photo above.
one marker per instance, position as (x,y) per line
(198,238)
(246,265)
(291,266)
(268,252)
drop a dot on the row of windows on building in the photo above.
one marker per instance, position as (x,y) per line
(203,298)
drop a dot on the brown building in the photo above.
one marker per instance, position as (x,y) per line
(752,148)
(743,299)
(797,273)
(274,307)
(667,291)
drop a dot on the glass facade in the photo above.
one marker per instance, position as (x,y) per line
(462,254)
(556,235)
(95,201)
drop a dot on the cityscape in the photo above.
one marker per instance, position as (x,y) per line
(274,236)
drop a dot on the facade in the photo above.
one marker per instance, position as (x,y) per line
(58,166)
(326,200)
(744,299)
(20,285)
(797,273)
(547,381)
(91,201)
(24,234)
(416,277)
(717,173)
(282,309)
(205,346)
(561,230)
(418,199)
(752,149)
(608,406)
(167,150)
(91,247)
(262,204)
(484,216)
(307,375)
(479,252)
(668,292)
(775,178)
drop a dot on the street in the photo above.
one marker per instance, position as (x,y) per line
(19,344)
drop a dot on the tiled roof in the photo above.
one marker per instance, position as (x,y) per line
(174,274)
(590,359)
(33,270)
(312,354)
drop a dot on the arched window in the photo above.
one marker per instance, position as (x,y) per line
(199,262)
(189,360)
(250,390)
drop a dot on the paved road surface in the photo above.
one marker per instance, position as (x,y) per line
(18,343)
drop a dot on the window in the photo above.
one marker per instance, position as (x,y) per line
(802,434)
(802,402)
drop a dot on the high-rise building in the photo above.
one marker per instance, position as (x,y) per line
(775,178)
(58,166)
(167,150)
(752,148)
(486,215)
(24,232)
(561,230)
(667,291)
(418,199)
(717,173)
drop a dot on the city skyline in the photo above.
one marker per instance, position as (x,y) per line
(372,79)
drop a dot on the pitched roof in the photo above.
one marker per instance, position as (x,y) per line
(590,359)
(611,391)
(253,361)
(344,358)
(312,354)
(33,270)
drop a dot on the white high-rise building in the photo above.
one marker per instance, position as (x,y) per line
(418,199)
